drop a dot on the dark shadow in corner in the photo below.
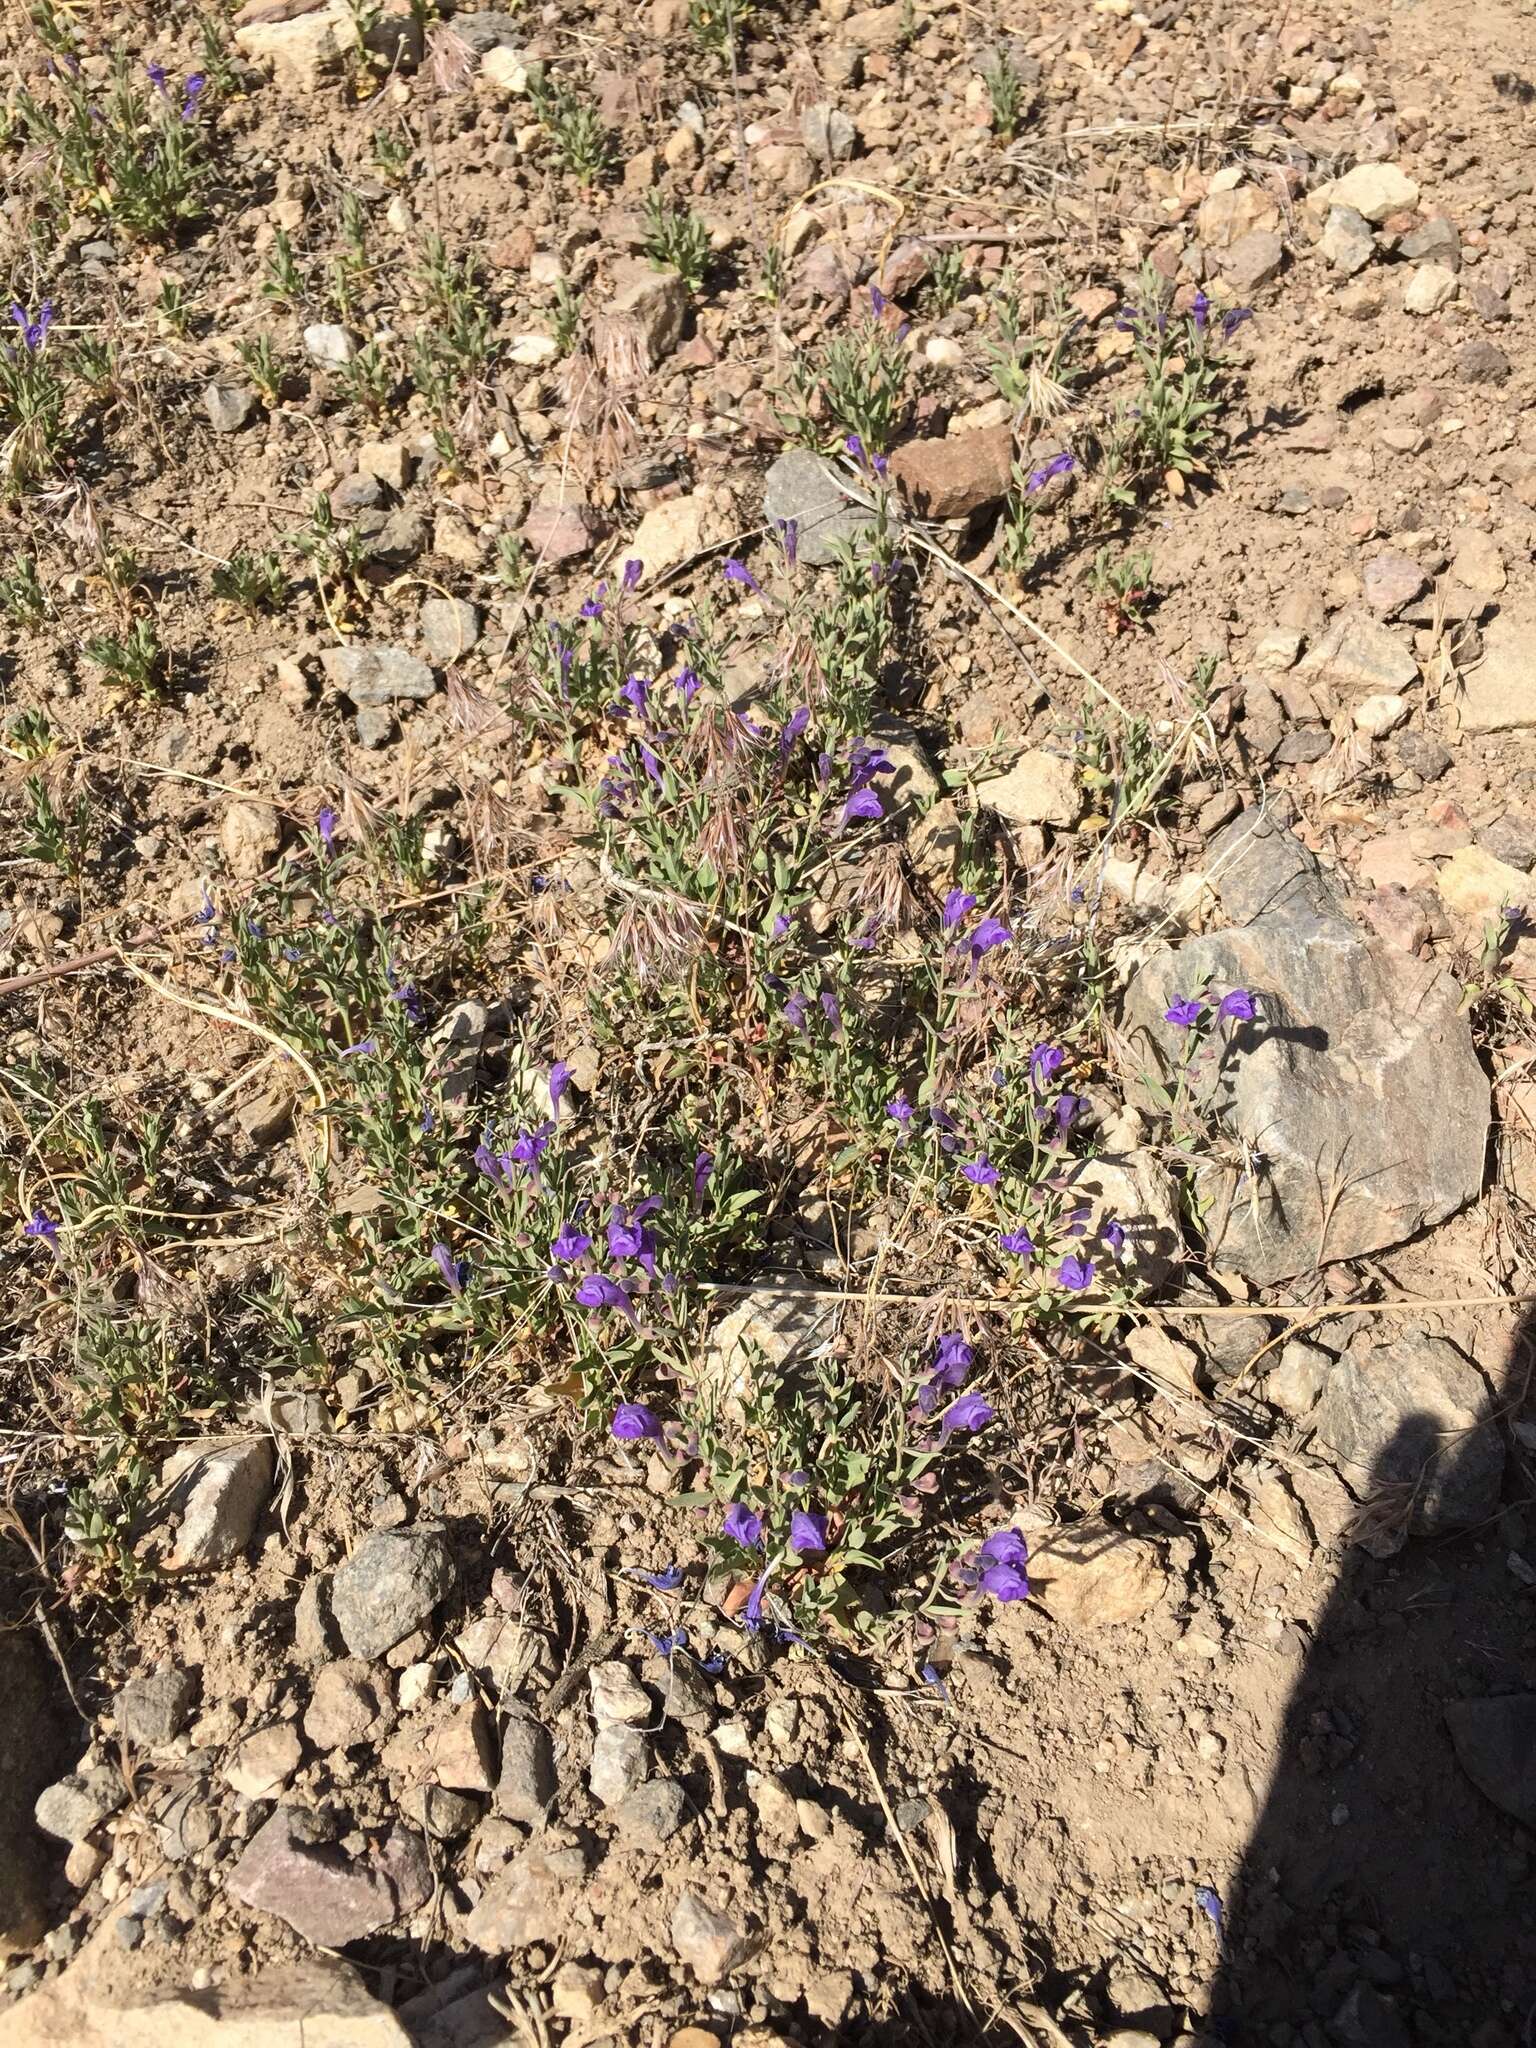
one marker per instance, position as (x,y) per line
(1384,1901)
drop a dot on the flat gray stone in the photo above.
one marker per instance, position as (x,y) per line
(376,676)
(1356,1088)
(1495,1743)
(389,1586)
(804,487)
(526,1788)
(153,1709)
(228,406)
(450,626)
(1410,1415)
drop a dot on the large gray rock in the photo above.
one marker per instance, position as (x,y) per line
(1409,1415)
(803,487)
(378,675)
(1496,1747)
(76,1805)
(1355,1091)
(389,1586)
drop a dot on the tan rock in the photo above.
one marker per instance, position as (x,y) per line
(1094,1575)
(305,50)
(293,2005)
(250,835)
(1039,789)
(1374,191)
(655,298)
(265,1761)
(1226,216)
(1475,885)
(678,529)
(953,477)
(1478,563)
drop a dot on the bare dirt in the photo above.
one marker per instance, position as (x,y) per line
(1201,1787)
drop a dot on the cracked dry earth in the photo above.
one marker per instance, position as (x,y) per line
(397,1758)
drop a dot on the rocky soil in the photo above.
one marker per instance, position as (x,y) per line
(408,1706)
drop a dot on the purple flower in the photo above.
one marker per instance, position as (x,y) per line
(1074,1273)
(952,1361)
(794,726)
(863,803)
(632,1421)
(877,305)
(866,761)
(752,1613)
(703,1167)
(569,1244)
(1200,312)
(34,332)
(1005,1582)
(742,1526)
(989,933)
(669,1580)
(795,1011)
(1209,1902)
(363,1045)
(789,533)
(1184,1011)
(598,1291)
(325,825)
(593,608)
(1114,1237)
(1059,465)
(1045,1062)
(1004,1546)
(41,1226)
(1233,320)
(899,1110)
(981,1172)
(191,93)
(1019,1242)
(559,1082)
(634,569)
(688,683)
(855,447)
(807,1532)
(529,1147)
(738,572)
(454,1271)
(1067,1107)
(628,1237)
(635,691)
(957,904)
(831,1012)
(1238,1003)
(970,1412)
(155,73)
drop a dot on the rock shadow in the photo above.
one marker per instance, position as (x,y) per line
(1387,1898)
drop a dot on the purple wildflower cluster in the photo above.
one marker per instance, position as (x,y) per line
(191,92)
(612,1271)
(997,1566)
(984,937)
(1189,1013)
